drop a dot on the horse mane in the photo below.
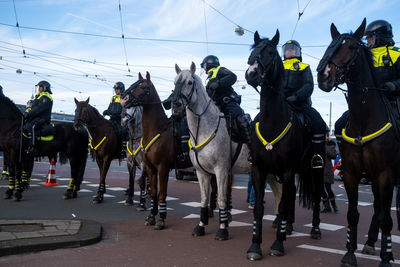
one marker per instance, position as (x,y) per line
(13,108)
(95,110)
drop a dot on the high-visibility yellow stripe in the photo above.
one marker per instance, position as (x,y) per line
(364,139)
(269,145)
(94,148)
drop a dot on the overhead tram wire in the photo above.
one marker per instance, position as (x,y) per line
(19,31)
(205,25)
(300,14)
(123,36)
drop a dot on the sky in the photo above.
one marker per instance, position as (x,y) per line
(159,34)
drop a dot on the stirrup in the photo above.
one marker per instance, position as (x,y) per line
(317,162)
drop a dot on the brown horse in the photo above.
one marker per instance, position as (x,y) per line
(103,140)
(158,145)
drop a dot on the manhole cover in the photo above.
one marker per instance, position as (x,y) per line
(21,228)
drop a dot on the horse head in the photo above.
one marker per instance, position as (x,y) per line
(264,61)
(138,93)
(81,113)
(339,57)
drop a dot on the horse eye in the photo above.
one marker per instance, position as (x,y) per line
(190,82)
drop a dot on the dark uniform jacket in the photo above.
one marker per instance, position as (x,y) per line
(40,112)
(225,79)
(387,65)
(330,154)
(298,81)
(114,109)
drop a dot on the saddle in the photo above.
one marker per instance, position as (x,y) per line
(45,133)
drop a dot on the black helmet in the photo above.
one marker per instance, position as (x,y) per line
(46,86)
(1,91)
(381,31)
(293,45)
(120,86)
(209,62)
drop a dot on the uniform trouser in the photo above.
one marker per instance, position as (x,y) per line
(318,129)
(232,108)
(180,125)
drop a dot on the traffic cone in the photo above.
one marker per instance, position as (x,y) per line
(51,178)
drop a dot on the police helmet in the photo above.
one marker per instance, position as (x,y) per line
(1,91)
(381,32)
(292,45)
(120,86)
(46,86)
(209,62)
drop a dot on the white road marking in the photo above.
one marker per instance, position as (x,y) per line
(105,195)
(327,226)
(363,204)
(297,234)
(239,187)
(342,252)
(85,191)
(116,188)
(238,224)
(62,179)
(93,185)
(192,204)
(192,216)
(395,238)
(269,217)
(123,202)
(61,186)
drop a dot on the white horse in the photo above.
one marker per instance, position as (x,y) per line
(212,151)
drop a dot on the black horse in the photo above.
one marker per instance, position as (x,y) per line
(66,139)
(280,145)
(368,141)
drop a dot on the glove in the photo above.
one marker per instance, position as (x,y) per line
(292,98)
(105,112)
(390,87)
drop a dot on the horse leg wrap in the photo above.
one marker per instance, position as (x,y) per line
(11,182)
(70,184)
(102,188)
(142,196)
(19,185)
(204,215)
(281,233)
(163,210)
(351,243)
(223,217)
(154,207)
(257,231)
(386,248)
(25,177)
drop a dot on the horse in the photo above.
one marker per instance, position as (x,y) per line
(158,145)
(103,140)
(65,140)
(212,151)
(280,145)
(134,159)
(368,141)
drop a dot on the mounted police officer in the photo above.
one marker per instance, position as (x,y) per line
(298,87)
(386,62)
(39,114)
(115,110)
(219,89)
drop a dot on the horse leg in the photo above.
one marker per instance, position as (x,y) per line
(75,165)
(222,181)
(258,180)
(163,180)
(288,190)
(142,185)
(19,187)
(318,182)
(229,196)
(291,207)
(150,220)
(5,173)
(104,165)
(373,231)
(385,194)
(213,196)
(11,183)
(351,186)
(277,191)
(132,174)
(204,182)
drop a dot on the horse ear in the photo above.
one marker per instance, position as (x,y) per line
(192,68)
(334,32)
(360,31)
(275,39)
(256,37)
(87,100)
(76,101)
(177,69)
(140,77)
(147,76)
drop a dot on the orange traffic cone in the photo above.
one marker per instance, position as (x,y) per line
(51,178)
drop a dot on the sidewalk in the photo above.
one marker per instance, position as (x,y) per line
(22,236)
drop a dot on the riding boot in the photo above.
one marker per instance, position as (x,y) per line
(318,151)
(123,149)
(31,146)
(333,204)
(327,207)
(244,124)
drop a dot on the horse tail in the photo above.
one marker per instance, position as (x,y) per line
(62,157)
(398,205)
(307,186)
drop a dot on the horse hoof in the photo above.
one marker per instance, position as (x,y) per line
(150,220)
(210,213)
(199,231)
(289,228)
(275,223)
(349,260)
(129,201)
(8,194)
(67,195)
(17,196)
(141,207)
(315,233)
(97,200)
(254,252)
(160,225)
(369,250)
(222,234)
(25,186)
(277,249)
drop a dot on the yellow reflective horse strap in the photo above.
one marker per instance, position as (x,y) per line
(202,145)
(130,152)
(95,148)
(363,139)
(145,149)
(269,145)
